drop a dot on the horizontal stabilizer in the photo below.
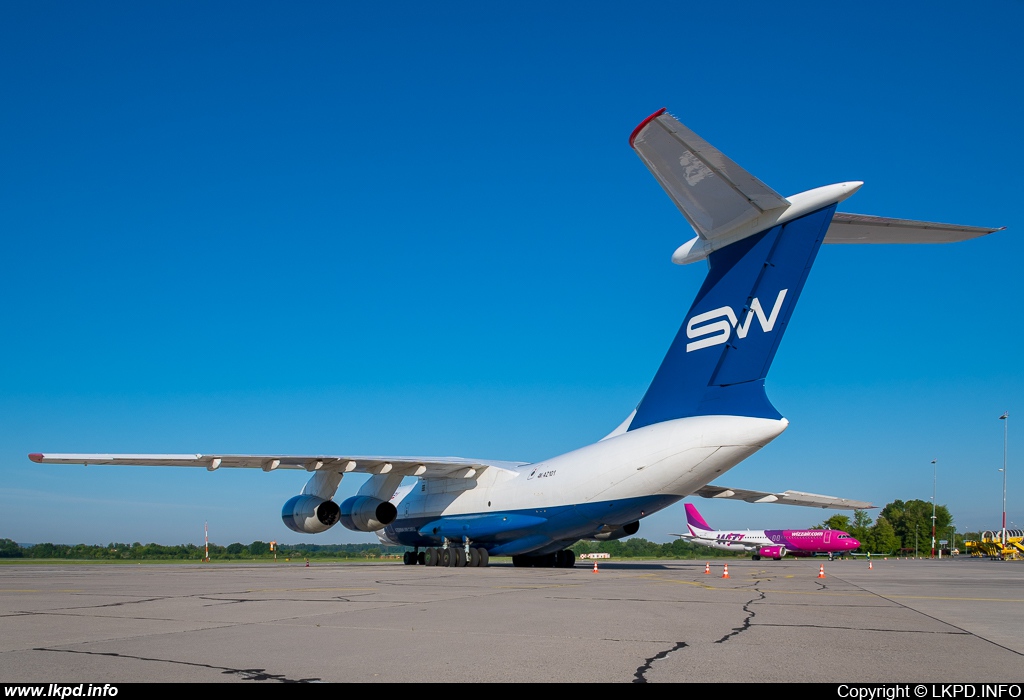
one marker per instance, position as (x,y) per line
(861,228)
(713,193)
(786,498)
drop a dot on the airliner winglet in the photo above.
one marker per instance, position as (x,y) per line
(705,410)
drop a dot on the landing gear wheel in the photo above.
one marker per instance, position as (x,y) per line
(407,558)
(474,557)
(485,556)
(445,558)
(430,556)
(420,556)
(458,557)
(756,557)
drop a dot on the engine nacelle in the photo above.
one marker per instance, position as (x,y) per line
(606,535)
(366,514)
(309,514)
(776,552)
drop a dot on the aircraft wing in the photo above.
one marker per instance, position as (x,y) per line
(426,467)
(788,498)
(861,228)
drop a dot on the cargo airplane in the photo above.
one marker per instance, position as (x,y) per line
(704,412)
(773,544)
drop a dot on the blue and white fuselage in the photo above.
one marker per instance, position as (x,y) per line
(588,493)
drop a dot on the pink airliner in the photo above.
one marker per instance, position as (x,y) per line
(768,543)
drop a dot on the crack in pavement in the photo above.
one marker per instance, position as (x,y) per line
(640,675)
(746,622)
(246,674)
(933,617)
(217,602)
(863,629)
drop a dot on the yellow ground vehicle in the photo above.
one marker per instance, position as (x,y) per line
(991,545)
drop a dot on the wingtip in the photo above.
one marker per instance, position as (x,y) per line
(645,122)
(36,457)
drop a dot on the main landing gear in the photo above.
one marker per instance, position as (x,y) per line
(565,559)
(448,555)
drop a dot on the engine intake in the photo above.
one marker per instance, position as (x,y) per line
(309,514)
(366,514)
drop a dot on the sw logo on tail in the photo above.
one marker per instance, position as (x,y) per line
(723,328)
(705,411)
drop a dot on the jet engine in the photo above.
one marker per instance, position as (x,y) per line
(309,514)
(607,534)
(366,513)
(776,552)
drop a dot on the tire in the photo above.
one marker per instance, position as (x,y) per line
(570,558)
(474,557)
(407,558)
(485,556)
(445,558)
(420,556)
(458,557)
(430,556)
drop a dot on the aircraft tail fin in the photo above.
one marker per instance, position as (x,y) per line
(720,356)
(760,247)
(695,522)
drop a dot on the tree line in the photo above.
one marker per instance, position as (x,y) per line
(901,527)
(191,552)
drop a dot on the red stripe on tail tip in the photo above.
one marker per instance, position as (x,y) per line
(645,122)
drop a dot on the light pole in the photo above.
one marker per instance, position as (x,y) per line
(1006,422)
(934,474)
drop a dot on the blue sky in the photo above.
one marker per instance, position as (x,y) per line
(419,229)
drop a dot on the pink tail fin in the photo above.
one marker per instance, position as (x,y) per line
(694,519)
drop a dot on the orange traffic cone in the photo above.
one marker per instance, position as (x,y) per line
(595,566)
(821,571)
(870,565)
(707,568)
(725,574)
